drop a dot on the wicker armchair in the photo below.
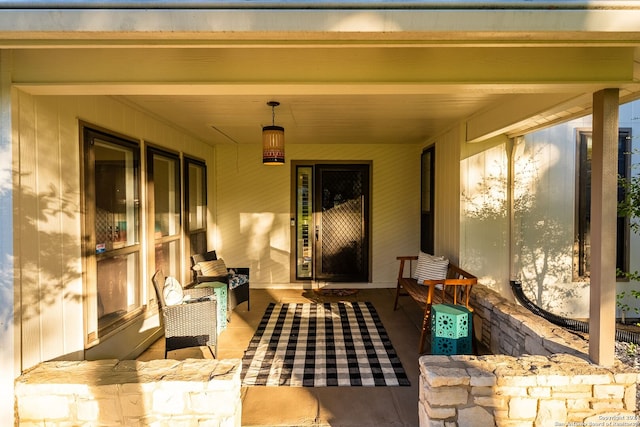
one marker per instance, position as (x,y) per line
(238,294)
(191,324)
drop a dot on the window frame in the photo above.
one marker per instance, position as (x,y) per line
(581,266)
(145,241)
(93,332)
(195,239)
(151,152)
(427,199)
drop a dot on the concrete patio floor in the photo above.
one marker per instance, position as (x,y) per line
(321,406)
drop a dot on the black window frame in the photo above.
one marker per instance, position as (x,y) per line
(581,257)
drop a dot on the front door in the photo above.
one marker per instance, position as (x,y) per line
(332,217)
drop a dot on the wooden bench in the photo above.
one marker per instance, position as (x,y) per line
(457,286)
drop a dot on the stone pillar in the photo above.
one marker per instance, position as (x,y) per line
(604,205)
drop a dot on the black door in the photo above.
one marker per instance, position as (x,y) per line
(341,249)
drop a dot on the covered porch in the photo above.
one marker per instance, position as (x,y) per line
(368,82)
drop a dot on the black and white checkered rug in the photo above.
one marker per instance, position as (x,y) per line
(318,345)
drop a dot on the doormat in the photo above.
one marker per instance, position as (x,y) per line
(335,292)
(321,345)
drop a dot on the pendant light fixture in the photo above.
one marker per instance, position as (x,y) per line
(273,140)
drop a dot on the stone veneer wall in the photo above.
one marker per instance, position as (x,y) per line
(508,328)
(193,392)
(538,375)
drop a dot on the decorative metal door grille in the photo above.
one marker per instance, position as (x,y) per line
(342,237)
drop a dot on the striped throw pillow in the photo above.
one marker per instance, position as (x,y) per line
(213,268)
(430,267)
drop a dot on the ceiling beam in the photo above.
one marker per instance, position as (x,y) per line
(347,89)
(480,67)
(521,112)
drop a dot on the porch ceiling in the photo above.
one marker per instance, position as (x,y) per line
(317,118)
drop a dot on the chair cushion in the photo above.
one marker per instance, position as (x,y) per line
(430,268)
(238,280)
(209,285)
(212,268)
(172,291)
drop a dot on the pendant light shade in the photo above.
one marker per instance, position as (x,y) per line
(273,140)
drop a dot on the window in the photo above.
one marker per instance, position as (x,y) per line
(112,231)
(304,223)
(427,189)
(582,250)
(195,202)
(163,187)
(112,226)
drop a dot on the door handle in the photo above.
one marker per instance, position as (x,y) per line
(317,232)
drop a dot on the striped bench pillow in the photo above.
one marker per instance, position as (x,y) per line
(430,267)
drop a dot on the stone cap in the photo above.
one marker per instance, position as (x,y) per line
(113,371)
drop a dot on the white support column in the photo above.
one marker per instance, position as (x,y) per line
(8,355)
(604,202)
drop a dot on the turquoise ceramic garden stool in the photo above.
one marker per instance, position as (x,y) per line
(451,329)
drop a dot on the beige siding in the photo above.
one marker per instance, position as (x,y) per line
(46,254)
(253,206)
(544,191)
(484,219)
(477,241)
(447,197)
(547,219)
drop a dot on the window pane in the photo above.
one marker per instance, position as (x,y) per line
(304,217)
(117,275)
(427,185)
(117,288)
(426,182)
(197,197)
(195,208)
(117,202)
(168,258)
(164,178)
(166,196)
(198,242)
(584,200)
